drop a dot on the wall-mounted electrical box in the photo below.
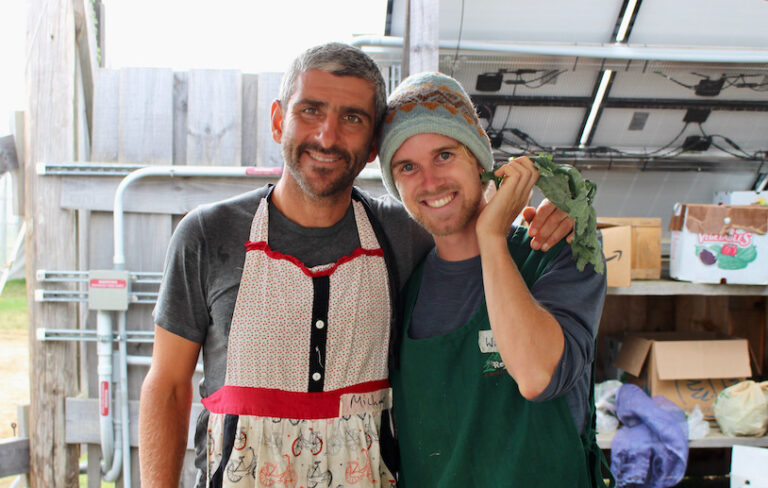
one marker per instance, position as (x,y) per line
(109,289)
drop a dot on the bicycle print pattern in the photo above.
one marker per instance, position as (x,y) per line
(289,453)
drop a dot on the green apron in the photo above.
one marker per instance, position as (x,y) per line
(460,418)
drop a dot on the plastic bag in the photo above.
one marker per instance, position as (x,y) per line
(605,406)
(742,409)
(697,426)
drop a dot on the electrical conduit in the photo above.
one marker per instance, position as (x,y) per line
(104,320)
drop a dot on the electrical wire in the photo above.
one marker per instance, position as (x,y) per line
(458,41)
(690,87)
(744,155)
(729,81)
(545,79)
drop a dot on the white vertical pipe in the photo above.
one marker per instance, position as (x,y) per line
(124,412)
(110,466)
(118,262)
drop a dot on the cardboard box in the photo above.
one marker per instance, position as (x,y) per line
(617,248)
(719,244)
(741,198)
(645,251)
(687,368)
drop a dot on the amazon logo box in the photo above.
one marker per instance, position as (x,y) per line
(632,248)
(719,244)
(688,368)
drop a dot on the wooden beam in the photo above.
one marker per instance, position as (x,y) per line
(87,50)
(422,35)
(175,196)
(50,239)
(145,116)
(14,456)
(214,118)
(180,109)
(83,422)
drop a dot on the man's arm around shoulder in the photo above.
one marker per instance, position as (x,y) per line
(166,398)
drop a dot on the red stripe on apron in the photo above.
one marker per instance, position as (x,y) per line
(266,402)
(263,246)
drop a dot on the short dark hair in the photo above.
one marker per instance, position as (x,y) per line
(341,60)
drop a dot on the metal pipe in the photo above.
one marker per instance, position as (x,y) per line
(598,51)
(124,413)
(104,369)
(119,264)
(185,171)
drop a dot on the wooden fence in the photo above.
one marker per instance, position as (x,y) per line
(158,117)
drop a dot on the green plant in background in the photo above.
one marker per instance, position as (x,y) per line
(13,306)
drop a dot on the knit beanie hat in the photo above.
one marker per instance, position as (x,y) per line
(433,103)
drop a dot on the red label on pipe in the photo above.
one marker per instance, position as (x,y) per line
(104,398)
(101,283)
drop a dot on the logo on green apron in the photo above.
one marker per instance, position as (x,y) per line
(487,345)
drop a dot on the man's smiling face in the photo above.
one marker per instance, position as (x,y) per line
(438,181)
(326,131)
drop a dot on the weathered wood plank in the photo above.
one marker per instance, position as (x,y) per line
(268,152)
(214,117)
(180,118)
(176,196)
(14,456)
(420,51)
(82,115)
(106,107)
(250,144)
(146,116)
(87,51)
(50,240)
(172,196)
(82,422)
(145,135)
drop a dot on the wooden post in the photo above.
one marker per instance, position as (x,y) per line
(50,239)
(422,35)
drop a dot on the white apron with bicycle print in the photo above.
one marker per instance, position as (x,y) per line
(306,374)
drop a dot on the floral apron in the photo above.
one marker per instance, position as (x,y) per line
(306,377)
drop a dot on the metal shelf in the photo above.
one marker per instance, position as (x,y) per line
(715,439)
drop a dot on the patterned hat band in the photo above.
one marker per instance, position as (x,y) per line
(430,103)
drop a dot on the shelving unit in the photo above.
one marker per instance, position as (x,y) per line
(719,307)
(673,287)
(715,439)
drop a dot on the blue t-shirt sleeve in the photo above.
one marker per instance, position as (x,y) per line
(575,298)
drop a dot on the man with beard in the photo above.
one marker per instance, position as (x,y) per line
(294,325)
(493,379)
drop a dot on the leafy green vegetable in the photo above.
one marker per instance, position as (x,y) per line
(564,186)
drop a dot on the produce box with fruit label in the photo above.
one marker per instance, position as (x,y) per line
(719,244)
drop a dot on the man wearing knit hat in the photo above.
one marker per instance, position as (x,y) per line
(492,386)
(288,290)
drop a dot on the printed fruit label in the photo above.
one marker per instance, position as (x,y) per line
(726,256)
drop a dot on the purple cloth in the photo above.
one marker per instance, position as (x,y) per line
(651,448)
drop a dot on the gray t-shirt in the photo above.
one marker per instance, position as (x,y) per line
(452,291)
(204,264)
(205,260)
